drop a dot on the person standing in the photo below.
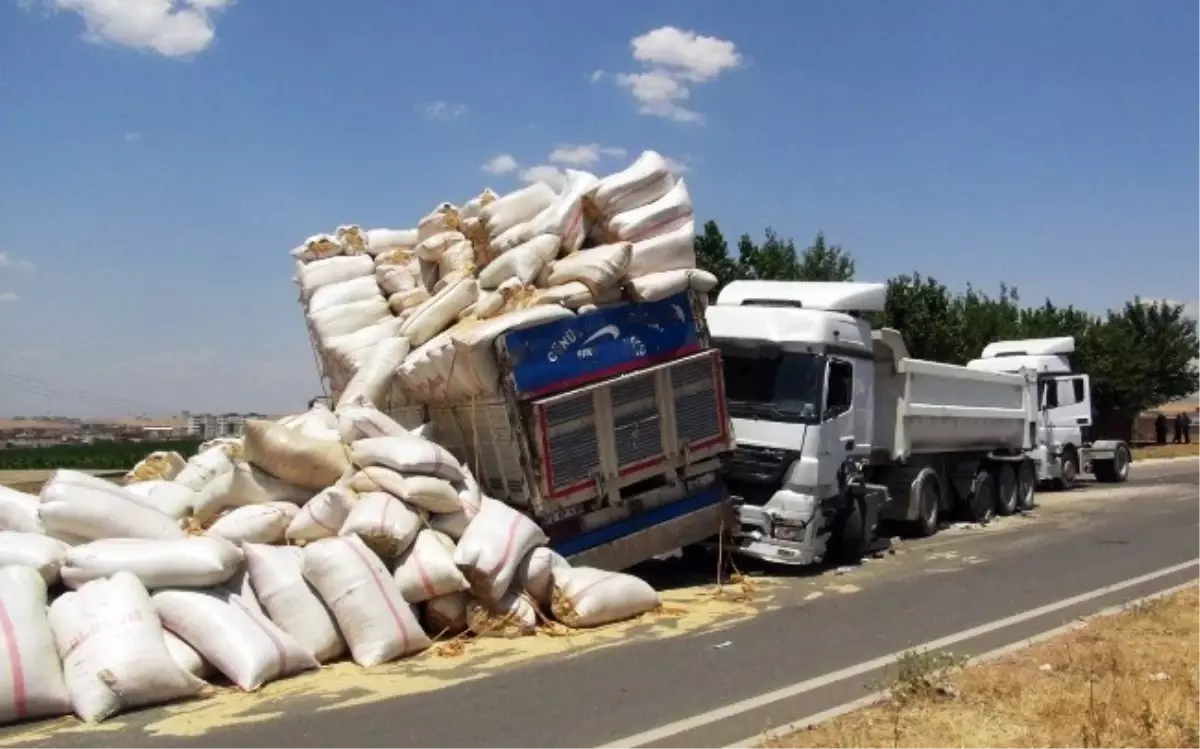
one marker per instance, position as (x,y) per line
(1160,429)
(1183,427)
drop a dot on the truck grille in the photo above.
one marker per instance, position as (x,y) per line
(752,464)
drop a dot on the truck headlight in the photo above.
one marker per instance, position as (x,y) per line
(790,531)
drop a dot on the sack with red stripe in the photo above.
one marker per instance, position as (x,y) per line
(492,547)
(671,211)
(31,677)
(277,576)
(427,569)
(323,515)
(241,643)
(588,597)
(113,649)
(379,626)
(385,524)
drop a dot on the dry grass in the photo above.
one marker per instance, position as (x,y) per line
(1125,680)
(1166,451)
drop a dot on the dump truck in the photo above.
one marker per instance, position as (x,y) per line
(838,428)
(1064,445)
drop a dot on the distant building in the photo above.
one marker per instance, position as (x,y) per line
(211,426)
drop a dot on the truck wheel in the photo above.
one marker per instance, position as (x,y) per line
(980,504)
(848,537)
(1007,490)
(1068,470)
(929,505)
(1115,471)
(1026,485)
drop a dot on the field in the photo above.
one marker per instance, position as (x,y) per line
(98,456)
(1166,451)
(1130,679)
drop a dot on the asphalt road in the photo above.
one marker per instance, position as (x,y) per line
(822,622)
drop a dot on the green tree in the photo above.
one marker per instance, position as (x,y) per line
(825,262)
(926,314)
(712,255)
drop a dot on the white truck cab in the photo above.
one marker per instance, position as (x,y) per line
(837,427)
(1065,411)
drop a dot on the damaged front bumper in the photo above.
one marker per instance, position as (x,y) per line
(777,534)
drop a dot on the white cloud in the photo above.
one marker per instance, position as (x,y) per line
(686,54)
(597,75)
(132,136)
(659,95)
(172,28)
(9,297)
(444,110)
(675,60)
(502,163)
(9,261)
(545,173)
(583,154)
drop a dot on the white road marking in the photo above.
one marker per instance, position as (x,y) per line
(991,655)
(808,685)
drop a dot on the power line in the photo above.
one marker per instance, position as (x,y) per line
(44,388)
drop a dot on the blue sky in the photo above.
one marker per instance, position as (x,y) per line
(156,168)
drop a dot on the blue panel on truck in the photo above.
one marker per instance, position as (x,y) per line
(572,352)
(591,539)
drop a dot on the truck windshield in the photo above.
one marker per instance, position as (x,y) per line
(774,385)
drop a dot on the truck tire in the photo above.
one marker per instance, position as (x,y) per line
(1026,485)
(1115,471)
(979,506)
(848,539)
(1007,490)
(1068,470)
(929,504)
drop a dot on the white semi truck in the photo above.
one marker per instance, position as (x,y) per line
(1064,411)
(837,427)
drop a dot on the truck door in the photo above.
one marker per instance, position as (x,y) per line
(837,421)
(1068,401)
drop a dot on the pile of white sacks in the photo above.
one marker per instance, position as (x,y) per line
(315,537)
(410,314)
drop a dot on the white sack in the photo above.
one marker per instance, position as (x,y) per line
(446,616)
(472,207)
(409,300)
(571,295)
(113,649)
(393,279)
(160,464)
(44,554)
(588,597)
(352,239)
(186,657)
(348,318)
(370,383)
(18,511)
(407,455)
(172,499)
(515,207)
(656,286)
(429,493)
(317,421)
(381,240)
(292,457)
(565,217)
(322,516)
(439,311)
(243,485)
(507,240)
(443,218)
(205,466)
(192,562)
(536,574)
(245,646)
(358,420)
(670,212)
(513,615)
(644,181)
(453,524)
(332,270)
(375,620)
(432,248)
(31,681)
(354,349)
(674,250)
(242,590)
(475,369)
(427,569)
(524,262)
(597,268)
(277,574)
(359,289)
(317,247)
(457,258)
(76,504)
(383,523)
(493,546)
(256,524)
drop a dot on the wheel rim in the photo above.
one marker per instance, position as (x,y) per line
(1069,470)
(929,503)
(1025,486)
(983,503)
(1121,463)
(1008,490)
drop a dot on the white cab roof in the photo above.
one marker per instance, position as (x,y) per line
(832,296)
(1030,347)
(791,328)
